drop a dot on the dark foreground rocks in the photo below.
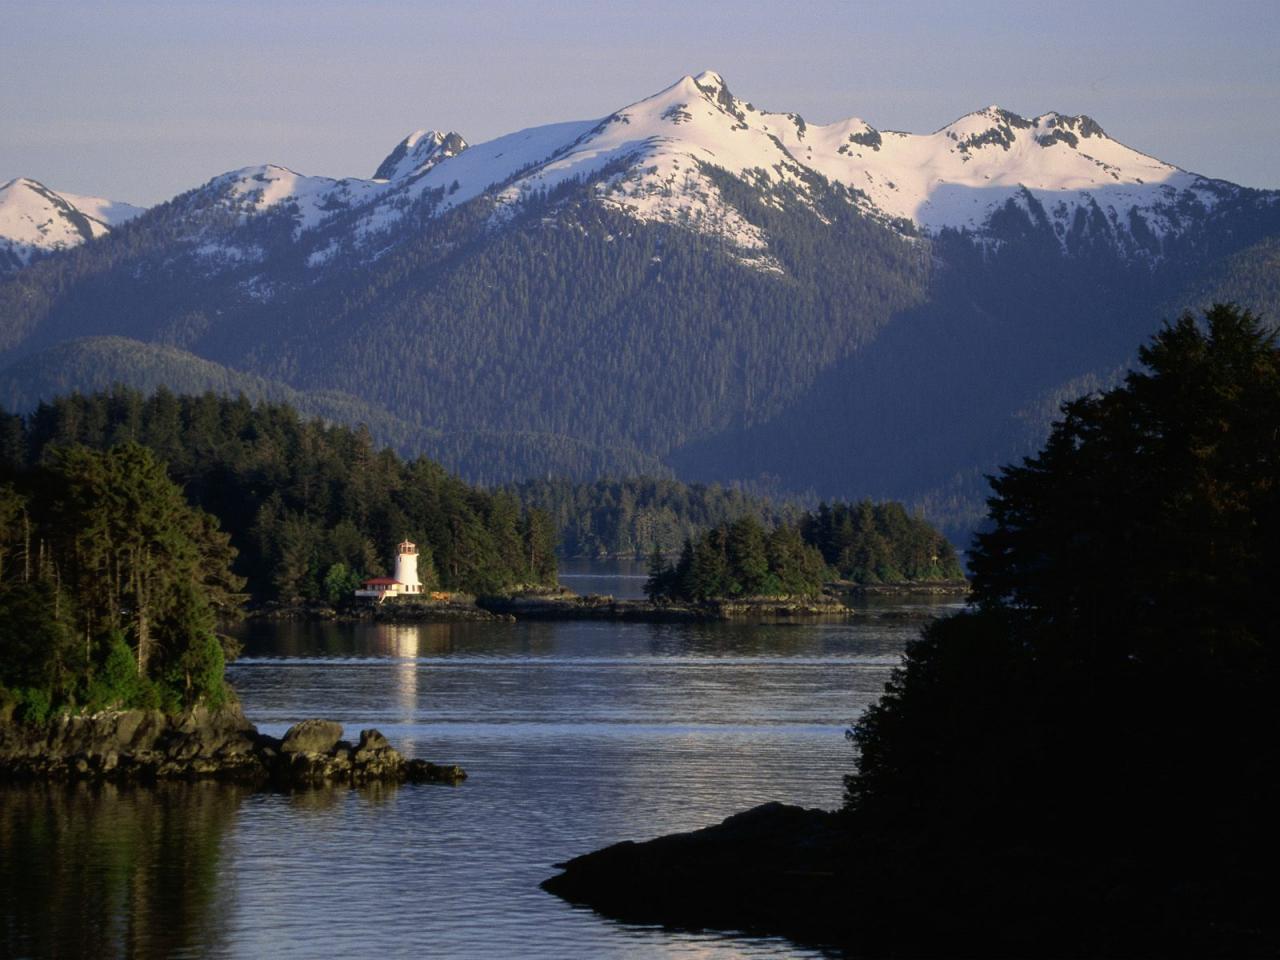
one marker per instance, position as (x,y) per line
(817,878)
(772,869)
(149,745)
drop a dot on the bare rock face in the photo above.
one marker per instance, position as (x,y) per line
(311,736)
(375,759)
(203,743)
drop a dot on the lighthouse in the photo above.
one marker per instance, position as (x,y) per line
(407,567)
(406,578)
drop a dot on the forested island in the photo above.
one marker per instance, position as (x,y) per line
(863,543)
(630,517)
(1082,764)
(311,509)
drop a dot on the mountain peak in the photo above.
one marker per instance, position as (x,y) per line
(35,219)
(709,78)
(418,153)
(713,85)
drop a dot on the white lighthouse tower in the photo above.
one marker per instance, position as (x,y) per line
(407,568)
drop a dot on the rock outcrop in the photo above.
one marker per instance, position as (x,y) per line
(203,743)
(774,868)
(311,736)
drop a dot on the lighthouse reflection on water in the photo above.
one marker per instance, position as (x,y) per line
(403,641)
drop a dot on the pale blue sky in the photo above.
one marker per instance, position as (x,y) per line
(139,100)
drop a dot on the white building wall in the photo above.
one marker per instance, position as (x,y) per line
(407,572)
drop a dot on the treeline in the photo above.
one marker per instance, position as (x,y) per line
(485,457)
(629,518)
(310,508)
(879,543)
(865,542)
(110,585)
(739,559)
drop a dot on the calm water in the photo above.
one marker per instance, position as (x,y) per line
(623,579)
(575,735)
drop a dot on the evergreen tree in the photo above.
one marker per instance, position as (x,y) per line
(1116,687)
(659,582)
(126,578)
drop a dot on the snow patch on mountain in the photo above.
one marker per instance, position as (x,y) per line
(308,201)
(35,220)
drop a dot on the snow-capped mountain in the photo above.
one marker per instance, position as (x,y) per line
(417,153)
(658,160)
(36,220)
(689,281)
(656,151)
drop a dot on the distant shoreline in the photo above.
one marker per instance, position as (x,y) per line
(841,602)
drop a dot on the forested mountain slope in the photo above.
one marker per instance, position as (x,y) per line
(689,281)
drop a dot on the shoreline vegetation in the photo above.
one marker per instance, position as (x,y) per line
(134,530)
(1077,764)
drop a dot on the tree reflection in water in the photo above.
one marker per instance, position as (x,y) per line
(103,871)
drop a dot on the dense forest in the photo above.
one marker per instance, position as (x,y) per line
(849,359)
(110,586)
(630,517)
(1084,764)
(879,543)
(739,559)
(92,364)
(574,320)
(863,542)
(310,508)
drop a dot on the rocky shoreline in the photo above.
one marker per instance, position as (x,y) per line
(567,605)
(571,606)
(459,608)
(841,600)
(148,745)
(774,870)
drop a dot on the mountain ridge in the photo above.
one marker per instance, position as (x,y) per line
(680,285)
(959,177)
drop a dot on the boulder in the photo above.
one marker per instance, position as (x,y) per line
(371,742)
(311,736)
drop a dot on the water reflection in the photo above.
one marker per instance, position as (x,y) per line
(621,578)
(403,642)
(575,735)
(106,871)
